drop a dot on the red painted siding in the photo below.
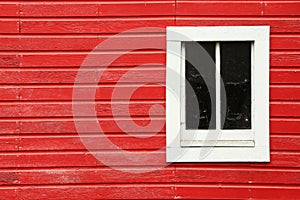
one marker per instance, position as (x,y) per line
(43,44)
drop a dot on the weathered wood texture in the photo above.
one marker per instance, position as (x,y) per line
(43,44)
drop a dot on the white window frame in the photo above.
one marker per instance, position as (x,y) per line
(220,145)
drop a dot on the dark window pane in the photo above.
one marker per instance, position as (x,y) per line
(236,74)
(200,76)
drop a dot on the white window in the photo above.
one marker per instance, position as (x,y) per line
(217,107)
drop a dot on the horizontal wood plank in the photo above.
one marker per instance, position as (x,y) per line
(93,9)
(98,192)
(238,8)
(84,159)
(103,109)
(123,58)
(9,9)
(236,175)
(282,8)
(285,42)
(285,92)
(95,175)
(9,127)
(68,143)
(285,59)
(288,143)
(92,26)
(127,75)
(10,143)
(187,175)
(82,43)
(282,125)
(277,25)
(285,109)
(9,60)
(285,76)
(58,9)
(105,92)
(9,26)
(57,126)
(9,93)
(8,43)
(143,8)
(237,192)
(203,8)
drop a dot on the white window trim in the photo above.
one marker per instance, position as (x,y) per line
(230,146)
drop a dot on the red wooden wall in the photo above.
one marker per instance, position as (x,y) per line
(43,44)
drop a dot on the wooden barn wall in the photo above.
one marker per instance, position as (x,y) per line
(43,44)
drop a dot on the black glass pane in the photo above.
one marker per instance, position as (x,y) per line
(200,76)
(236,75)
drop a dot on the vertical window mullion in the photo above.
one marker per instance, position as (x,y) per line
(218,89)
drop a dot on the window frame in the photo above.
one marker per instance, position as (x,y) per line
(233,146)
